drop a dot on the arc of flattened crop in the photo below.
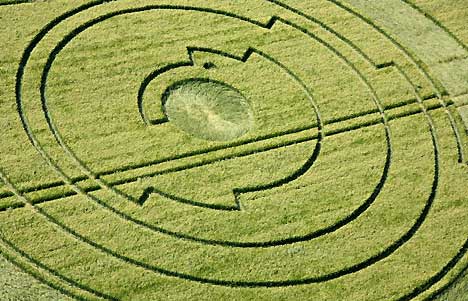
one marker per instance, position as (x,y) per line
(236,191)
(190,63)
(144,85)
(50,26)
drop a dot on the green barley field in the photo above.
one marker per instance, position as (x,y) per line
(234,150)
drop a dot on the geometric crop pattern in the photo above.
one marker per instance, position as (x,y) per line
(351,185)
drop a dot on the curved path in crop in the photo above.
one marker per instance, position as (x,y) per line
(359,199)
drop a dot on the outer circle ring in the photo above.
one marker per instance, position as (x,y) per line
(23,119)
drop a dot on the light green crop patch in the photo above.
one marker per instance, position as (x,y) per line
(440,51)
(17,285)
(464,115)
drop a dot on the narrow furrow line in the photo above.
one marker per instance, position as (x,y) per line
(92,188)
(255,140)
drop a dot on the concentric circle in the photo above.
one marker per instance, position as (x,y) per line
(251,145)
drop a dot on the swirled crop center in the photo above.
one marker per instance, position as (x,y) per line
(208,109)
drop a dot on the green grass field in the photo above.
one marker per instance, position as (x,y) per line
(234,150)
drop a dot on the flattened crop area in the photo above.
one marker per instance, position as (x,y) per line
(244,150)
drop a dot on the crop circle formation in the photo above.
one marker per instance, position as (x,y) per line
(232,149)
(207,109)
